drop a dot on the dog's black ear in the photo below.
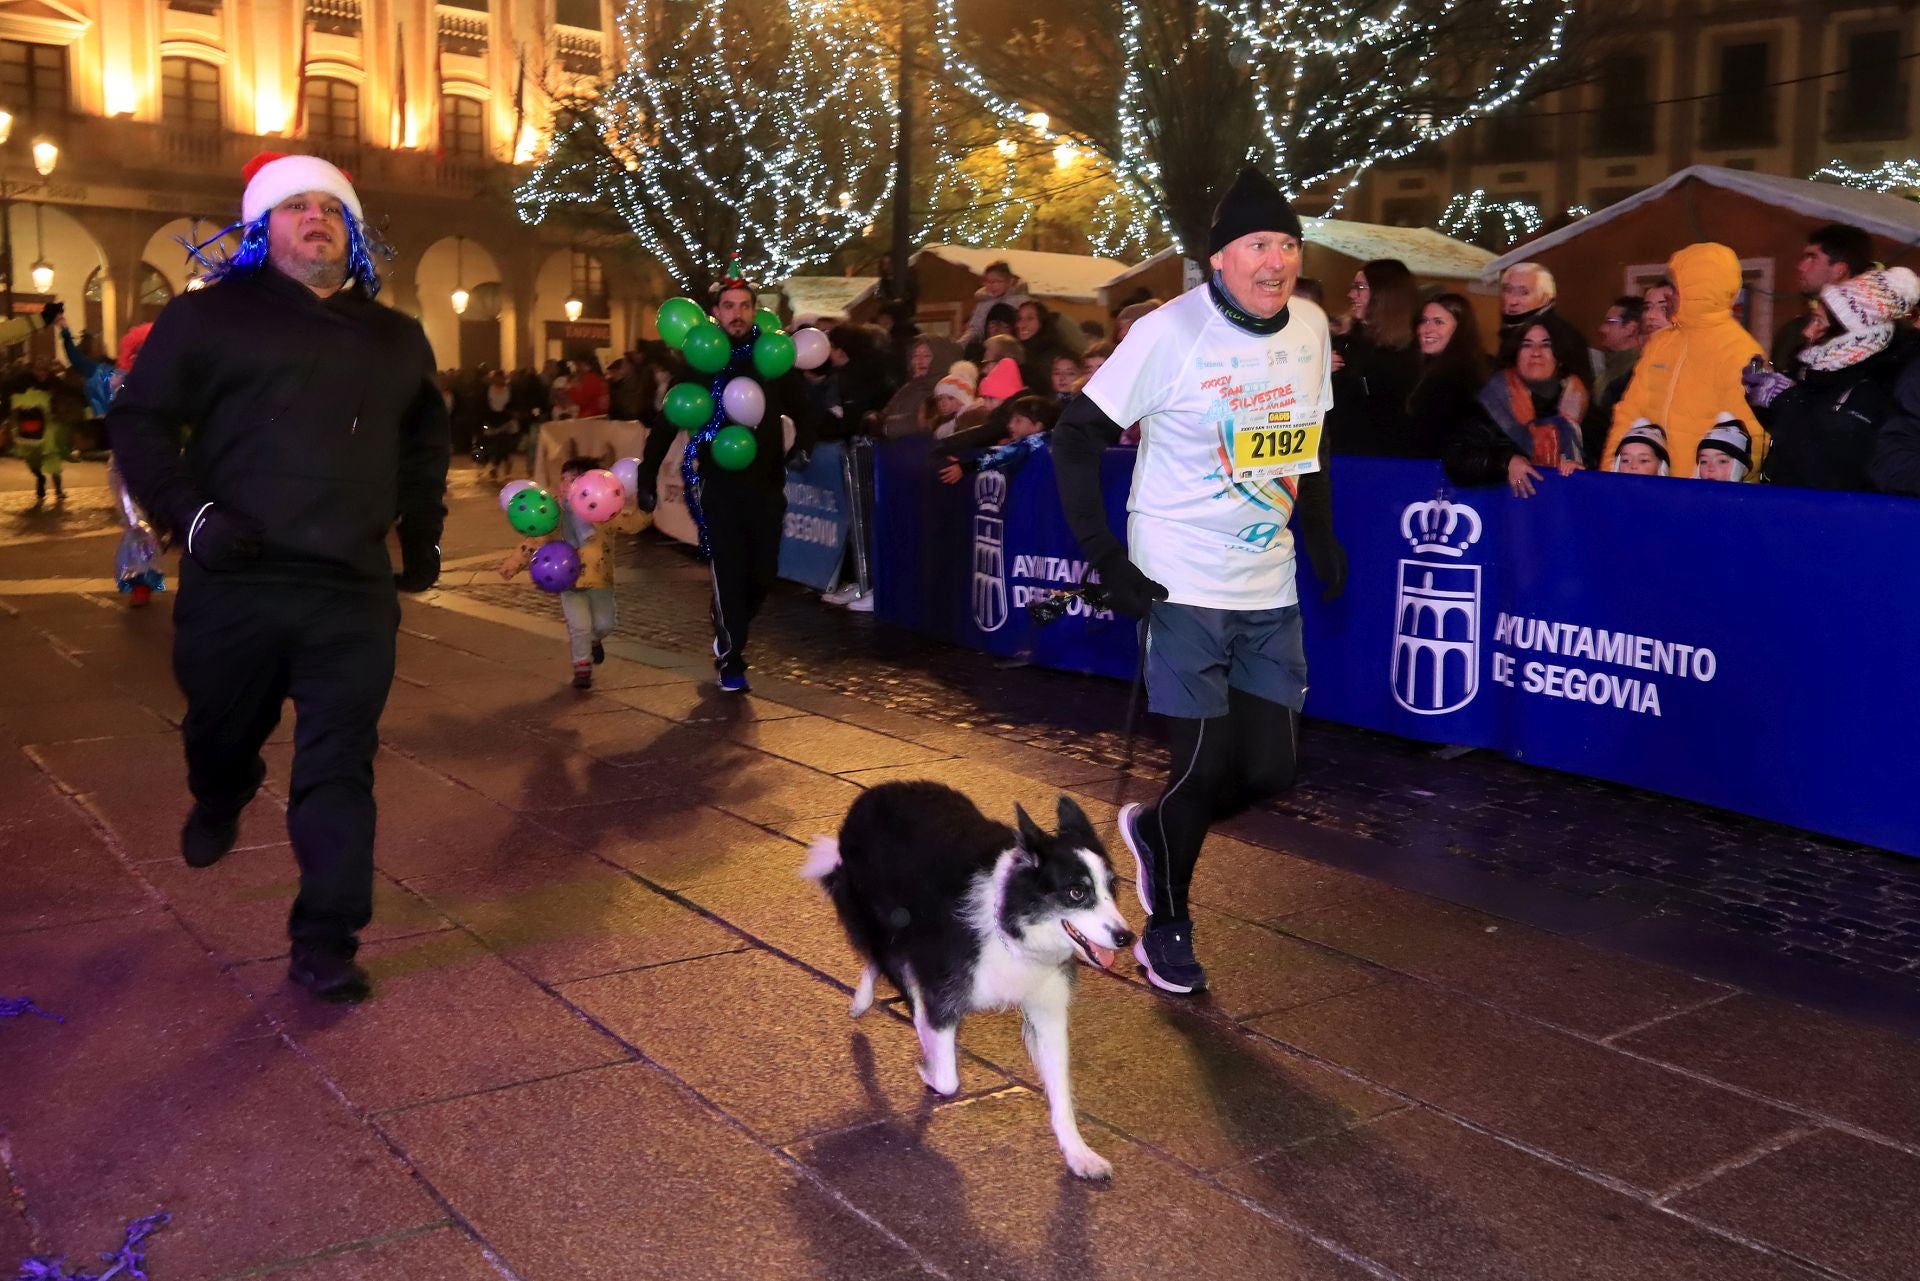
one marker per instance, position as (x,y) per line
(1075,829)
(1032,839)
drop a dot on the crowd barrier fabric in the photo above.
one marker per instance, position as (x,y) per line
(1749,648)
(816,530)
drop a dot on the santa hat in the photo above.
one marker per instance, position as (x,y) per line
(1729,436)
(1650,434)
(273,176)
(1004,382)
(130,343)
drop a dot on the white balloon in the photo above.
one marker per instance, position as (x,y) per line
(810,348)
(628,470)
(510,489)
(744,402)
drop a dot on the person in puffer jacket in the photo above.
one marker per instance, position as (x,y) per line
(1690,372)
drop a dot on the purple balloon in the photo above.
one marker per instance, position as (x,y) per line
(555,568)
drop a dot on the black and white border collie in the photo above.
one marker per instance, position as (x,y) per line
(962,913)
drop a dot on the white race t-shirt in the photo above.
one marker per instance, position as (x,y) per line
(1228,422)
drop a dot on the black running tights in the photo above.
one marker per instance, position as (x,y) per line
(1221,766)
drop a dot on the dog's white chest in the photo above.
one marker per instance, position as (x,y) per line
(1004,978)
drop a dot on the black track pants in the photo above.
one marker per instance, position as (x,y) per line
(241,649)
(743,529)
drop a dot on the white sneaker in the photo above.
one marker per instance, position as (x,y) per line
(845,596)
(861,604)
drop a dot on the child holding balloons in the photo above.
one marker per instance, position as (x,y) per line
(566,555)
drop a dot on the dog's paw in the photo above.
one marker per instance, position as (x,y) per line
(942,1087)
(1088,1164)
(862,1002)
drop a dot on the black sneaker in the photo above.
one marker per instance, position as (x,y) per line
(599,652)
(328,976)
(582,676)
(1136,845)
(207,838)
(1166,953)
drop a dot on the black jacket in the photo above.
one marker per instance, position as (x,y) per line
(1444,403)
(1824,428)
(315,419)
(1895,468)
(767,472)
(1370,399)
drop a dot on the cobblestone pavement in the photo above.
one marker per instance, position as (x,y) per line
(1795,893)
(608,1037)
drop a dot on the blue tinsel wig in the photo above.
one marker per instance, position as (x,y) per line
(217,262)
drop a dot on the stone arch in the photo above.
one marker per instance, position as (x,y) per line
(448,262)
(47,231)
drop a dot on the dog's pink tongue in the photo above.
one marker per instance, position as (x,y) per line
(1104,955)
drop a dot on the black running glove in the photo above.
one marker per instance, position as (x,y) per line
(419,564)
(1080,437)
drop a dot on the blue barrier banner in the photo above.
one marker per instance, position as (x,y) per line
(1751,648)
(816,532)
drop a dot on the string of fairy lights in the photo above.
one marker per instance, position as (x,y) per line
(780,115)
(775,137)
(1891,177)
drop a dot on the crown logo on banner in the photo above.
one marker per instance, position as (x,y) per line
(1440,526)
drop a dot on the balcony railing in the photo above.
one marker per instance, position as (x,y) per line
(578,51)
(335,17)
(209,7)
(463,31)
(169,158)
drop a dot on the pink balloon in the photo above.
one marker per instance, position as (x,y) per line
(597,496)
(810,348)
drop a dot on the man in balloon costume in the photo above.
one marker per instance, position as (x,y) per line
(317,428)
(734,467)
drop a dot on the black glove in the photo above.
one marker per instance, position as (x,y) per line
(798,458)
(1129,591)
(218,540)
(1329,561)
(419,565)
(646,495)
(51,313)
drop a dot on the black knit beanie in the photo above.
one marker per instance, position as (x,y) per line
(1251,204)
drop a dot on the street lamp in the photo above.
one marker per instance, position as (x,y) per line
(460,295)
(46,155)
(573,308)
(42,269)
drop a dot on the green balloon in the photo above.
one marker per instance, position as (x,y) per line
(533,512)
(678,316)
(734,447)
(689,406)
(772,355)
(706,347)
(768,321)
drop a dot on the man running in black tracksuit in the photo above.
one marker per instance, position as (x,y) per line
(315,428)
(745,510)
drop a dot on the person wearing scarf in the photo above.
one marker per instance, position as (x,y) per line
(1535,403)
(1231,385)
(1825,427)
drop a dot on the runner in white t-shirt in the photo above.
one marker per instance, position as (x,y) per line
(1230,384)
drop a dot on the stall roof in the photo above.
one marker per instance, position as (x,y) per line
(1890,217)
(1425,251)
(826,295)
(1068,277)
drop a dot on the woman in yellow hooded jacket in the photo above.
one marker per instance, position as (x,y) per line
(1688,375)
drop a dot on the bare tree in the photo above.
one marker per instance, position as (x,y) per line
(756,130)
(1179,94)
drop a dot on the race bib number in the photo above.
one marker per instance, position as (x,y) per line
(1275,442)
